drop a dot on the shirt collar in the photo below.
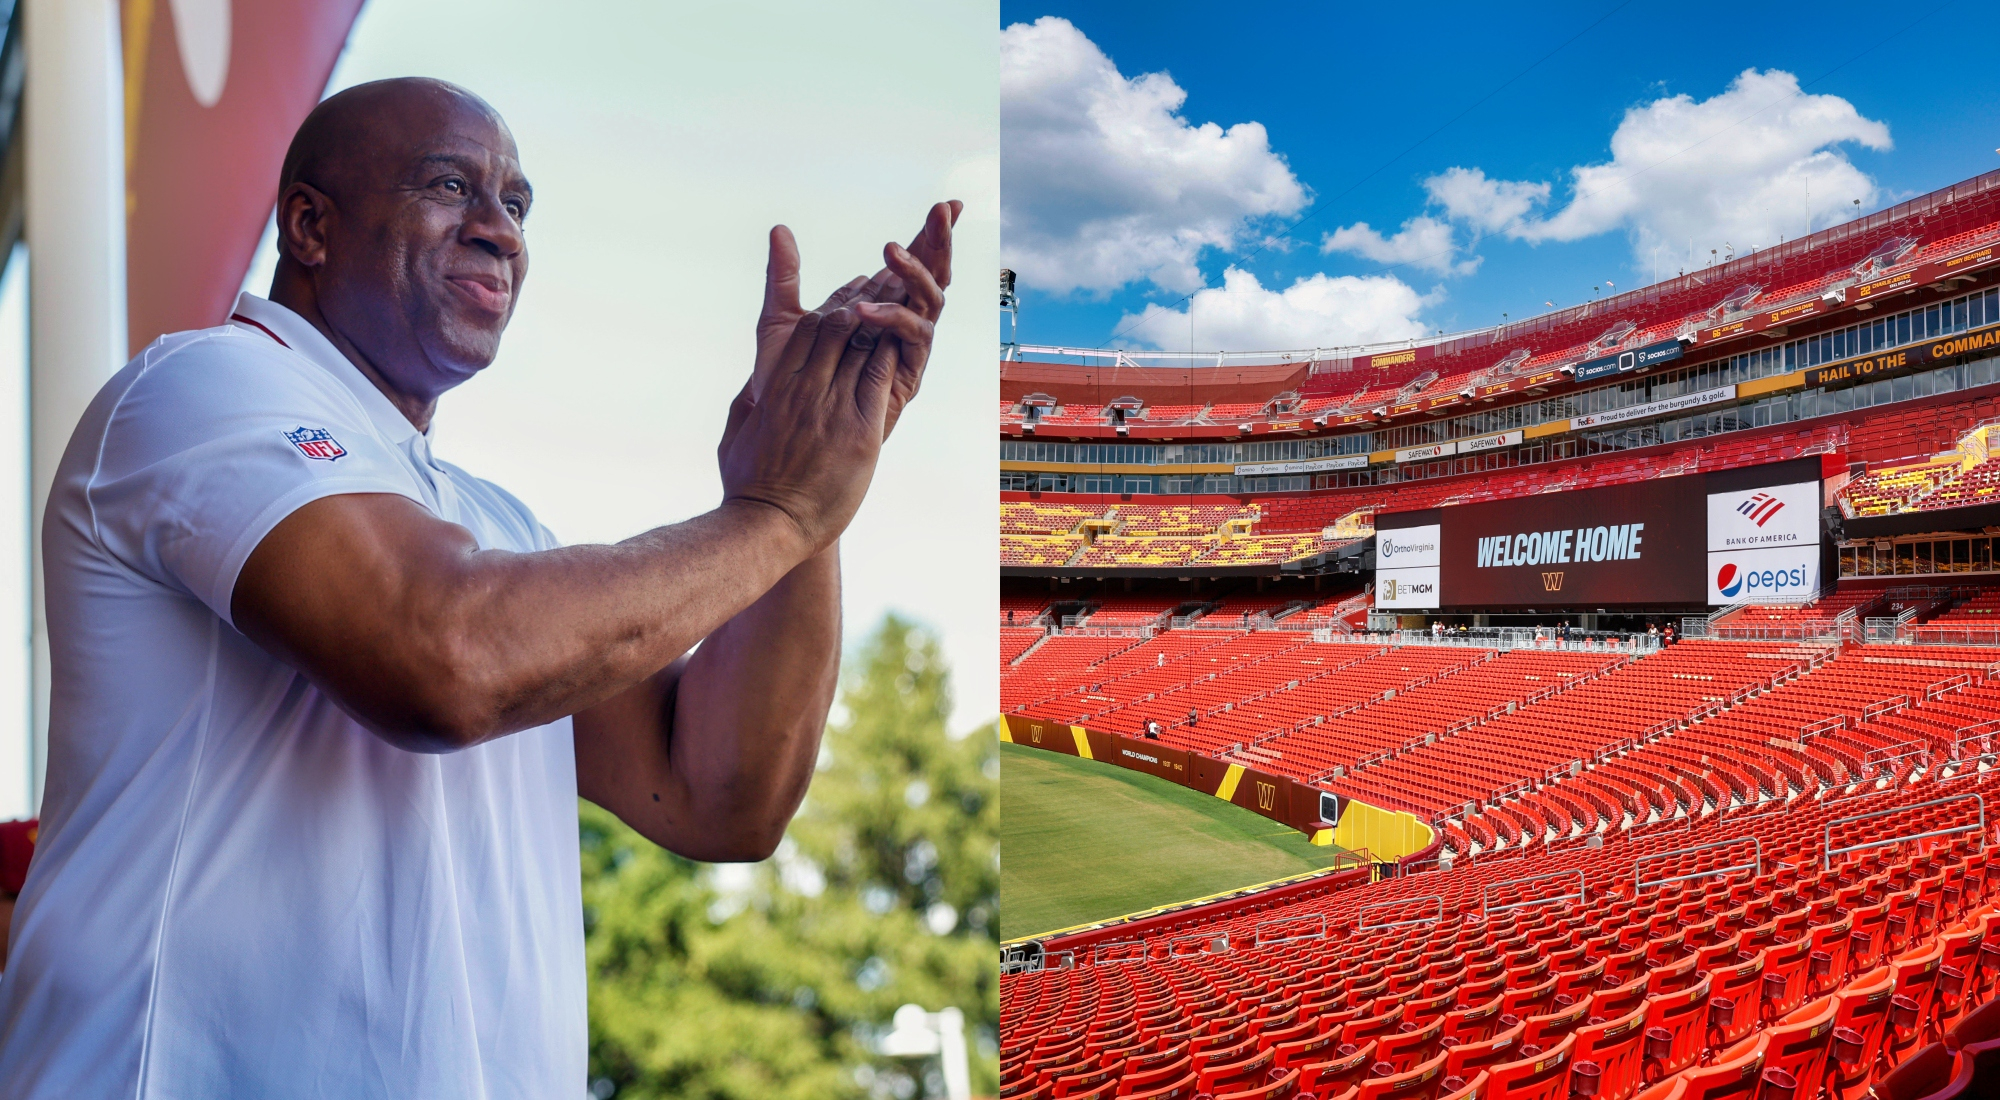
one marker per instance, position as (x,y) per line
(270,320)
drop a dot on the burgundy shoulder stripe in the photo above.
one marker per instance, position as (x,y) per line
(260,328)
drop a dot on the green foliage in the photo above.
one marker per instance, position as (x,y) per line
(774,980)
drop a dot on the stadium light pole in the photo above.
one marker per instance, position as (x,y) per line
(941,1035)
(74,134)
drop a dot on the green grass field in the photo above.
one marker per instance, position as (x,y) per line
(1082,841)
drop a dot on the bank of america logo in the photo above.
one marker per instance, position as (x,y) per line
(1761,507)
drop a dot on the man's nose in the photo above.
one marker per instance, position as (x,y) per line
(489,226)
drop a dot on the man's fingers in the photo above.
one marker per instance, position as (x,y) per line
(858,287)
(911,332)
(781,274)
(797,348)
(829,344)
(932,244)
(922,291)
(912,328)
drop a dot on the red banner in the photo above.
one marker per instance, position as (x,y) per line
(213,92)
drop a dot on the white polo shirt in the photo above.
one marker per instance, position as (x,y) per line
(238,891)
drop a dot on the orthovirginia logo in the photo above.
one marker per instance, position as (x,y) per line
(1727,581)
(1761,507)
(1389,548)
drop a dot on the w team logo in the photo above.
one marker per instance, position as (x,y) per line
(316,443)
(1727,580)
(1761,507)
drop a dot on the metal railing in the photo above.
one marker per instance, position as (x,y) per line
(1505,639)
(1204,943)
(1933,634)
(1099,953)
(1829,851)
(1984,733)
(1486,905)
(1755,866)
(1023,962)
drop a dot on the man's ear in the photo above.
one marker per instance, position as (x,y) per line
(303,214)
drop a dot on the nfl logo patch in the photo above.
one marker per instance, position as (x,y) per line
(316,443)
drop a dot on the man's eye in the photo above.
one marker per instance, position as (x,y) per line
(516,209)
(456,187)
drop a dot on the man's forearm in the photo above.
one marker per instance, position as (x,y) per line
(488,642)
(742,728)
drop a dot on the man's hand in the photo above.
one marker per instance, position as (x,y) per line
(897,282)
(804,434)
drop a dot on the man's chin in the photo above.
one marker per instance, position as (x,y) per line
(456,357)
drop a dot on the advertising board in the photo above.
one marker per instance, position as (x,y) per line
(1781,573)
(1306,466)
(1623,544)
(1700,539)
(1406,566)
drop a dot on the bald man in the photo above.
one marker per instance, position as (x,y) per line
(323,702)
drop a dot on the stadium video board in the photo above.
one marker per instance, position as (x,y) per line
(1700,539)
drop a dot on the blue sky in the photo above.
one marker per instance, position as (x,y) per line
(1341,92)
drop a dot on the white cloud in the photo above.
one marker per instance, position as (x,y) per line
(1105,183)
(1487,205)
(1733,168)
(1319,311)
(1424,243)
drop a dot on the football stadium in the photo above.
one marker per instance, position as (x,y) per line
(1632,669)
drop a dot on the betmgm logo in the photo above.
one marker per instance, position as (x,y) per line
(1552,582)
(1267,795)
(1391,588)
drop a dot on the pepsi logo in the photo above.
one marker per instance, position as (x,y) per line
(1727,581)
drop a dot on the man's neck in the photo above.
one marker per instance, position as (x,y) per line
(417,410)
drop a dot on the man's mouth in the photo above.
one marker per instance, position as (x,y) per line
(488,292)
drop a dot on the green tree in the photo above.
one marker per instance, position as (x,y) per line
(775,980)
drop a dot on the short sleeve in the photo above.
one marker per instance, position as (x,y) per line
(212,446)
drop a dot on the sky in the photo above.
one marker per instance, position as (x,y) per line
(1322,175)
(663,141)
